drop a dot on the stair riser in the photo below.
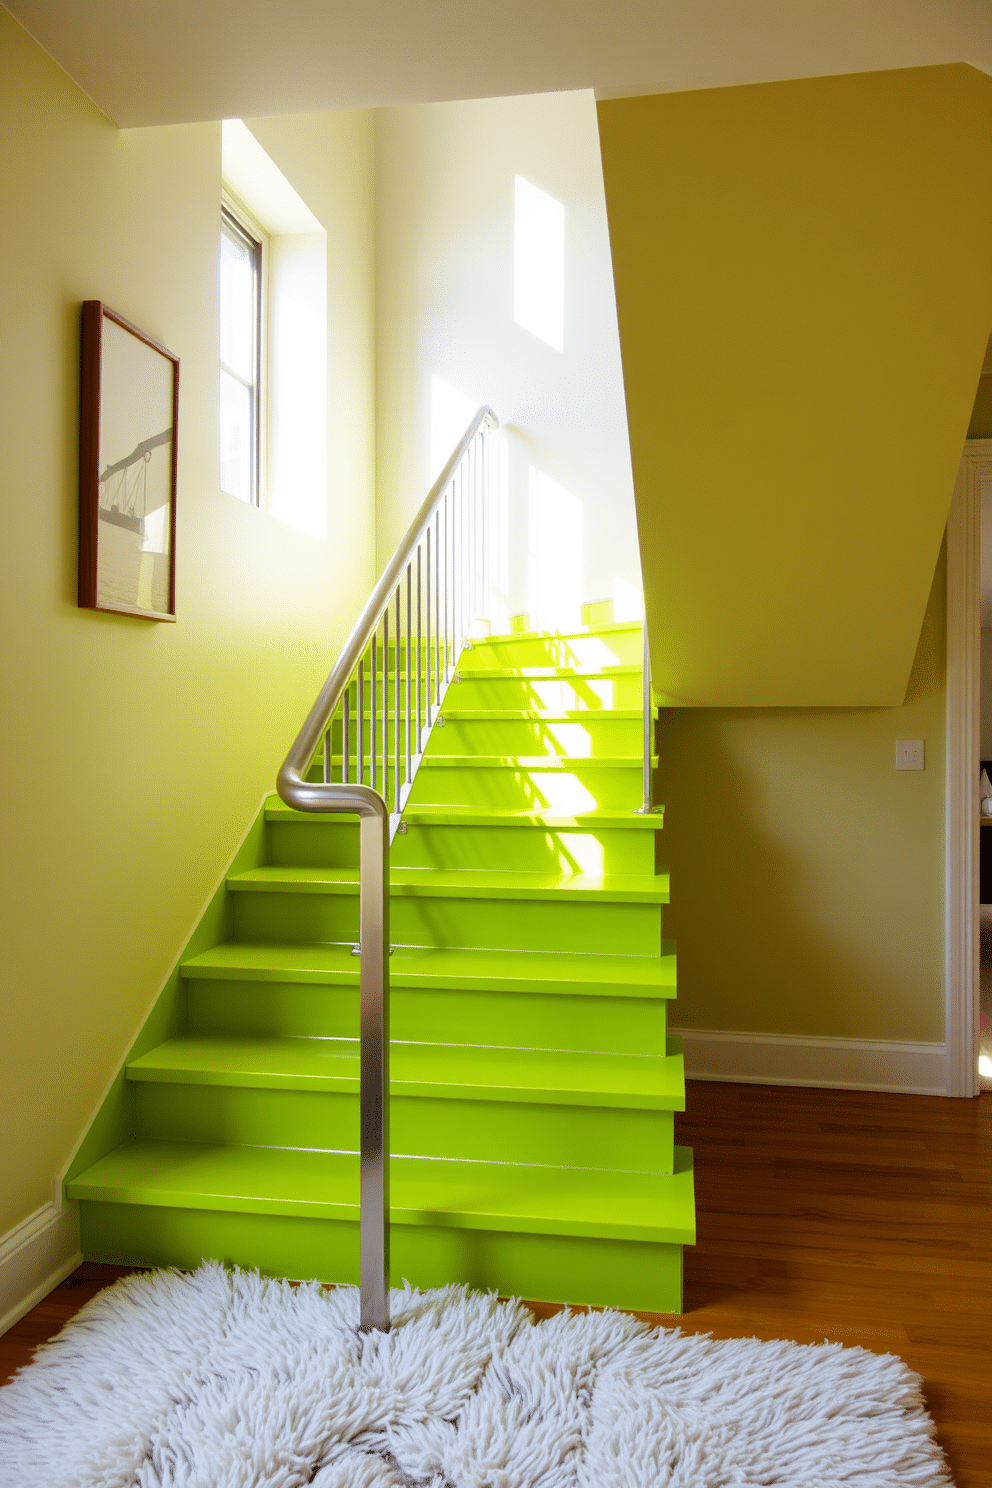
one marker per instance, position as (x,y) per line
(619,648)
(321,843)
(636,1275)
(422,1126)
(540,925)
(610,1025)
(615,737)
(554,695)
(564,792)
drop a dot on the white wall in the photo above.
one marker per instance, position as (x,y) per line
(445,310)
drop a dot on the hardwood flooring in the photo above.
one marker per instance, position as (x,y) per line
(857,1217)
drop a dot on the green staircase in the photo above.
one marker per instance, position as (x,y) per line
(532,1082)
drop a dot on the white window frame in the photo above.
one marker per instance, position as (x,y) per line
(233,207)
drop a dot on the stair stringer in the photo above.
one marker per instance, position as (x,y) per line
(111,1121)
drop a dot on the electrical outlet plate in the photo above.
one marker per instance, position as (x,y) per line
(909,754)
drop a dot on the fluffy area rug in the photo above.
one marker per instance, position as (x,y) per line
(222,1379)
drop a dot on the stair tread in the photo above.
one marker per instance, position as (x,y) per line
(554,973)
(470,883)
(453,1193)
(542,715)
(471,816)
(578,672)
(447,1071)
(577,632)
(563,762)
(531,762)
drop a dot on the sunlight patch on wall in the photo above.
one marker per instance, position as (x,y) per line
(297,403)
(628,602)
(555,530)
(539,263)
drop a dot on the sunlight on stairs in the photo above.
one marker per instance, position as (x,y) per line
(532,1082)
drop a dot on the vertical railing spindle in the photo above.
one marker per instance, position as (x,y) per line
(345,735)
(474,539)
(430,642)
(385,704)
(409,663)
(397,693)
(419,667)
(372,708)
(360,740)
(437,608)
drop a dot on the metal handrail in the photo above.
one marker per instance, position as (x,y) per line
(449,529)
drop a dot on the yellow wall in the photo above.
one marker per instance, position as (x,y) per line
(133,755)
(807,873)
(802,324)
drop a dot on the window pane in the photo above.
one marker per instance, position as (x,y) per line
(238,303)
(236,437)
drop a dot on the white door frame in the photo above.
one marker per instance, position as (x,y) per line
(961,933)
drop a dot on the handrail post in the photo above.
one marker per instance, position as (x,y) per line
(374,1030)
(371,806)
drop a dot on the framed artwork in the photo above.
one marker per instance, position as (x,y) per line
(129,417)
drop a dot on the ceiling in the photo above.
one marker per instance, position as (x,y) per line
(178,61)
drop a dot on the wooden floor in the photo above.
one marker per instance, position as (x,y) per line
(865,1219)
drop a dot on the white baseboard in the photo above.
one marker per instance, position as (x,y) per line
(843,1064)
(34,1257)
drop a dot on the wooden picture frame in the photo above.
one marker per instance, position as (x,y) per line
(128,467)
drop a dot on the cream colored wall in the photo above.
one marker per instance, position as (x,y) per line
(807,873)
(133,754)
(445,191)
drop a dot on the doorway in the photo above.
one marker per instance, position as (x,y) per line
(968,931)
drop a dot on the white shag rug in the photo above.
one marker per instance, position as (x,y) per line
(223,1379)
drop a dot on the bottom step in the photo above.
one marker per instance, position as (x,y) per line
(557,1235)
(639,1276)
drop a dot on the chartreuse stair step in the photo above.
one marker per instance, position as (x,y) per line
(533,1084)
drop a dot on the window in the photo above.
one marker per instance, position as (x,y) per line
(242,245)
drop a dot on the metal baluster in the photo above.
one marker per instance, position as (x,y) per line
(372,717)
(409,664)
(457,563)
(430,645)
(437,608)
(419,716)
(327,756)
(345,734)
(454,570)
(385,705)
(447,532)
(396,708)
(473,543)
(360,741)
(486,535)
(457,587)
